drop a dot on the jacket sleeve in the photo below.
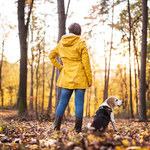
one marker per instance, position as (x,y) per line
(52,56)
(86,62)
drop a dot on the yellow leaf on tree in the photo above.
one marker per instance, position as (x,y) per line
(125,142)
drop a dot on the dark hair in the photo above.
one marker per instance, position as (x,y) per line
(75,28)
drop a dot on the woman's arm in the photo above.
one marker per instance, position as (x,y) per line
(86,63)
(52,56)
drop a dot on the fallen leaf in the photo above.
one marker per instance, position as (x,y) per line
(90,137)
(50,142)
(125,143)
(1,129)
(119,148)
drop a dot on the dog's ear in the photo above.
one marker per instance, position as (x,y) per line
(111,102)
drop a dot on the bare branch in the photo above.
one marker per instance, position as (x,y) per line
(67,9)
(29,14)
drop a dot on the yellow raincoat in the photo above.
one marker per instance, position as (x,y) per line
(76,70)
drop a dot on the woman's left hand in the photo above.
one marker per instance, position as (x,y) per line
(90,85)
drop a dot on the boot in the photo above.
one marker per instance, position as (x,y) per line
(57,123)
(78,124)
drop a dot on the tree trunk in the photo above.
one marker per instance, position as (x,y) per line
(126,89)
(23,29)
(135,74)
(105,80)
(62,28)
(148,90)
(49,109)
(37,84)
(111,47)
(121,86)
(135,51)
(130,78)
(43,78)
(1,66)
(95,93)
(32,73)
(142,84)
(31,88)
(136,91)
(148,74)
(44,63)
(22,103)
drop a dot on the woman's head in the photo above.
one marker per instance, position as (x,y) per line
(75,28)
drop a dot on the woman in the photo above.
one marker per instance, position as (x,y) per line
(76,74)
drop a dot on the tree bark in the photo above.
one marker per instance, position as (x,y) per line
(136,91)
(62,31)
(1,66)
(43,78)
(105,80)
(130,78)
(31,86)
(37,84)
(111,47)
(95,93)
(135,51)
(44,64)
(142,84)
(22,103)
(49,109)
(23,29)
(135,70)
(126,88)
(121,86)
(32,73)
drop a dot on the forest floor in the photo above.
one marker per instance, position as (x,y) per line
(16,134)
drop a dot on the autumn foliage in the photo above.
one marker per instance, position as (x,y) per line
(17,134)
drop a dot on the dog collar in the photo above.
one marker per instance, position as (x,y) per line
(106,108)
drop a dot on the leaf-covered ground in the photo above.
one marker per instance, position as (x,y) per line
(26,135)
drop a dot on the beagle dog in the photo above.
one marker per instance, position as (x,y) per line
(105,114)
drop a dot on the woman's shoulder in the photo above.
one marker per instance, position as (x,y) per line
(82,42)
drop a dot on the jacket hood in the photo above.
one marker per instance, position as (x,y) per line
(69,40)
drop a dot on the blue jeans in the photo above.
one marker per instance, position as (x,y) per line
(64,99)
